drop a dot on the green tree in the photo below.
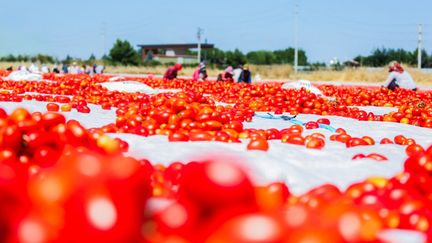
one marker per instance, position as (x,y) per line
(216,56)
(287,56)
(261,57)
(234,58)
(123,53)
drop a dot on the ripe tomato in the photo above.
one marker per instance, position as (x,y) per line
(258,144)
(178,137)
(323,121)
(315,143)
(353,142)
(52,107)
(414,149)
(311,125)
(377,157)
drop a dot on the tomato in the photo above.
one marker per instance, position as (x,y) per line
(353,142)
(258,144)
(377,157)
(311,125)
(400,139)
(52,107)
(51,119)
(200,136)
(178,137)
(414,149)
(343,137)
(369,140)
(315,143)
(228,232)
(386,141)
(10,137)
(358,156)
(323,121)
(293,139)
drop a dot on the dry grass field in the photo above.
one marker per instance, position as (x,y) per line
(276,72)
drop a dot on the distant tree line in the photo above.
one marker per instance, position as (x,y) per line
(28,58)
(383,56)
(123,53)
(47,59)
(261,57)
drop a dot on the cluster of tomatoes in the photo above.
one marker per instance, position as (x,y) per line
(88,186)
(62,182)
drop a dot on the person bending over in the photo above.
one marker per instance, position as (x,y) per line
(171,72)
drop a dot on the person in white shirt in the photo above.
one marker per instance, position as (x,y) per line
(399,78)
(34,68)
(237,72)
(44,68)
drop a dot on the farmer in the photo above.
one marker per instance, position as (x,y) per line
(171,72)
(237,72)
(226,75)
(65,68)
(399,78)
(200,73)
(246,75)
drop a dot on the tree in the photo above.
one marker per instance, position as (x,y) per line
(382,57)
(216,56)
(68,60)
(122,52)
(287,56)
(92,58)
(234,58)
(261,57)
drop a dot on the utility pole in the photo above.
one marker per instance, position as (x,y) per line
(199,33)
(419,48)
(103,38)
(296,13)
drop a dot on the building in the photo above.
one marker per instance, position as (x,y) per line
(176,53)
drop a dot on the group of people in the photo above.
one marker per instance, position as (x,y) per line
(72,69)
(398,77)
(241,74)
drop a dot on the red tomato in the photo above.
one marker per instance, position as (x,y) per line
(315,143)
(52,107)
(258,144)
(414,149)
(178,137)
(323,121)
(377,157)
(353,142)
(311,125)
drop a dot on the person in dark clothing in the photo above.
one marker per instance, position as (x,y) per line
(56,69)
(171,72)
(246,75)
(65,68)
(226,75)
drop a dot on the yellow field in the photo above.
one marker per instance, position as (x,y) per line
(276,72)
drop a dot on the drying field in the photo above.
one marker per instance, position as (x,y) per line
(128,159)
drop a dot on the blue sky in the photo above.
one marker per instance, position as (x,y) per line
(327,29)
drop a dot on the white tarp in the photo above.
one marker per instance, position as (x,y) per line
(302,84)
(23,75)
(129,87)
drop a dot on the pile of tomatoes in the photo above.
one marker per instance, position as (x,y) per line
(58,179)
(62,182)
